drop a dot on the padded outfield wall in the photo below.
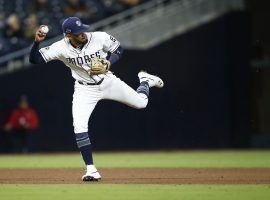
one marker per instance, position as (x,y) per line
(204,104)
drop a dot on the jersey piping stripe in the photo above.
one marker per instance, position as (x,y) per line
(116,47)
(89,40)
(43,56)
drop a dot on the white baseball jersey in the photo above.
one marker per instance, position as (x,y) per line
(85,97)
(79,60)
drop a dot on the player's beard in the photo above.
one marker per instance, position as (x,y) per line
(81,39)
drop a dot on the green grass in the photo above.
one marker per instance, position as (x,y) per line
(173,159)
(142,192)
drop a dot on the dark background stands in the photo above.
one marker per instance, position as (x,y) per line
(204,103)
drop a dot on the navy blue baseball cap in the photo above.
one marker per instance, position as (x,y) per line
(74,26)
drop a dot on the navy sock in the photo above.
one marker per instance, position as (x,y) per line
(84,144)
(143,88)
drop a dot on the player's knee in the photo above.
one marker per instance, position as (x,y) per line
(141,105)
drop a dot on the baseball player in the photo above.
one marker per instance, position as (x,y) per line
(89,55)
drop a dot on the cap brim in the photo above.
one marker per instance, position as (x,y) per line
(83,28)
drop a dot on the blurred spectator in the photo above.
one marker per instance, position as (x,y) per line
(77,8)
(12,28)
(13,33)
(16,34)
(114,6)
(31,25)
(2,15)
(41,8)
(129,2)
(111,7)
(21,124)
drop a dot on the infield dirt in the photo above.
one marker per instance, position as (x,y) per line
(140,176)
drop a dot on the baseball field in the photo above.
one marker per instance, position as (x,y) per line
(138,175)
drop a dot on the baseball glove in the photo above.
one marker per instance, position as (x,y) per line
(99,66)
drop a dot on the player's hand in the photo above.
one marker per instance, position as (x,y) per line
(99,66)
(40,36)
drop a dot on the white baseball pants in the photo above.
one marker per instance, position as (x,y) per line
(85,98)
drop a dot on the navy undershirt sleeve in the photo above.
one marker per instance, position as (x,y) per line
(115,56)
(35,56)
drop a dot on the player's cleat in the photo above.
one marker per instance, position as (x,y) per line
(91,174)
(153,81)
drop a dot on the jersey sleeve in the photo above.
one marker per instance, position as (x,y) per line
(110,43)
(52,52)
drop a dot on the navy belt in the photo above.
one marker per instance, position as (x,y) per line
(98,83)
